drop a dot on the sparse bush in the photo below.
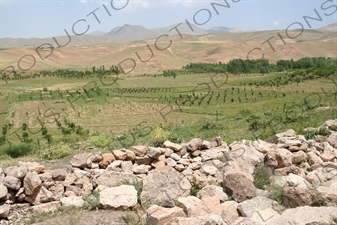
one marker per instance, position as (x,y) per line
(323,132)
(101,141)
(58,151)
(17,150)
(130,219)
(92,201)
(159,136)
(311,134)
(194,191)
(262,177)
(276,193)
(207,125)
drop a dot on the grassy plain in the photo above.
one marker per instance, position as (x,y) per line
(194,105)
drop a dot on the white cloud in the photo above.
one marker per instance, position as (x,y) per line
(276,23)
(83,1)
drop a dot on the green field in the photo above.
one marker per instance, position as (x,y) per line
(192,105)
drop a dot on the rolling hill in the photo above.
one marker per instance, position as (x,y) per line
(124,42)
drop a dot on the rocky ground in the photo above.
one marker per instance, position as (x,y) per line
(283,180)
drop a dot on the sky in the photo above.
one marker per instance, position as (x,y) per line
(48,18)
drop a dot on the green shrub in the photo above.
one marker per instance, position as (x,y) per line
(58,151)
(101,141)
(311,134)
(130,219)
(323,131)
(207,125)
(17,150)
(276,193)
(194,190)
(262,177)
(92,201)
(159,136)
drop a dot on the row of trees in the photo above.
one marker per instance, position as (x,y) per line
(66,73)
(236,66)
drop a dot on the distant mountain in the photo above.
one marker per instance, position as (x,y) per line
(128,33)
(97,33)
(331,27)
(131,33)
(183,28)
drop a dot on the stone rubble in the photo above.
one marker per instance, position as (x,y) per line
(304,170)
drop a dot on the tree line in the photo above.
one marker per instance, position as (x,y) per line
(323,66)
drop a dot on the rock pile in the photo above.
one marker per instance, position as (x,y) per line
(304,172)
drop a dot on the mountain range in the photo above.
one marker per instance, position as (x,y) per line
(126,33)
(129,33)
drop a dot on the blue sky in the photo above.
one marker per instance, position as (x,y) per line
(47,18)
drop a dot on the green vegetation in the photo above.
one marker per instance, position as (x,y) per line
(92,201)
(194,191)
(16,150)
(311,134)
(131,219)
(57,151)
(139,109)
(276,193)
(101,141)
(262,177)
(159,136)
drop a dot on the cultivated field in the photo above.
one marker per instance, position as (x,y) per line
(190,105)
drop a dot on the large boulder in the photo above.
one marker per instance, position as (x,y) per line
(208,219)
(107,159)
(249,207)
(229,211)
(155,153)
(59,174)
(173,146)
(164,185)
(239,184)
(193,206)
(194,144)
(3,191)
(4,211)
(12,183)
(111,178)
(139,150)
(306,215)
(283,157)
(157,215)
(17,171)
(300,196)
(32,166)
(120,154)
(213,190)
(32,182)
(40,195)
(80,160)
(76,201)
(47,207)
(263,146)
(247,157)
(124,196)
